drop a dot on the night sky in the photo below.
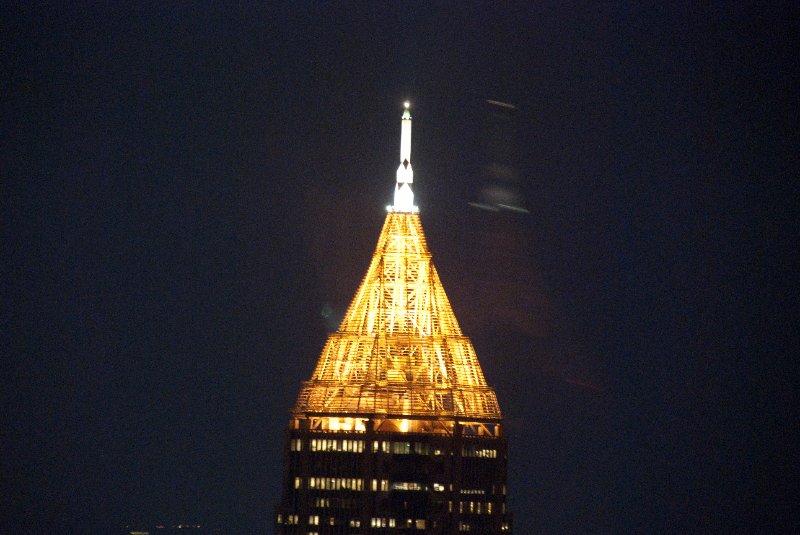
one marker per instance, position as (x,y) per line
(192,192)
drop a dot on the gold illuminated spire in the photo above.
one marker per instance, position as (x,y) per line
(399,351)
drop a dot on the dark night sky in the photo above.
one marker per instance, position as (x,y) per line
(187,186)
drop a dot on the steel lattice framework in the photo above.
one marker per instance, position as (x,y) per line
(399,351)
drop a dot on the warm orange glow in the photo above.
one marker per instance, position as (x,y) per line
(399,351)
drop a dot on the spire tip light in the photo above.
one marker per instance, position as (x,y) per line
(403,196)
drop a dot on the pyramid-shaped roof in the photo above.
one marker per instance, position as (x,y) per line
(399,351)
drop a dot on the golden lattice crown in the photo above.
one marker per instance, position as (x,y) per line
(399,351)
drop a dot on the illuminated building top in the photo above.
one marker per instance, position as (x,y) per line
(399,351)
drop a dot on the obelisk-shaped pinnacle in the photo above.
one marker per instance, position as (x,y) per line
(403,196)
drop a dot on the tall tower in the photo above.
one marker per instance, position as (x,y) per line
(397,430)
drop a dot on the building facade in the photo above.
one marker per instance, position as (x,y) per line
(397,430)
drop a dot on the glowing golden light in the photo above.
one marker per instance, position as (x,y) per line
(399,352)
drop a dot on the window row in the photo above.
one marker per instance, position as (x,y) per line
(383,522)
(376,485)
(375,522)
(388,446)
(336,503)
(405,448)
(328,444)
(476,508)
(473,450)
(333,483)
(334,444)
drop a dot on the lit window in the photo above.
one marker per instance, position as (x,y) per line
(402,448)
(420,523)
(380,484)
(313,520)
(391,523)
(280,518)
(408,485)
(489,507)
(472,450)
(335,483)
(355,523)
(298,482)
(356,446)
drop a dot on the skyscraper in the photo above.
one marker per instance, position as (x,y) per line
(397,430)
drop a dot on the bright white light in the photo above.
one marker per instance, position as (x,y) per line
(403,198)
(406,104)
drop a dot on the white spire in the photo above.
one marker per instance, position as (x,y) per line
(403,196)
